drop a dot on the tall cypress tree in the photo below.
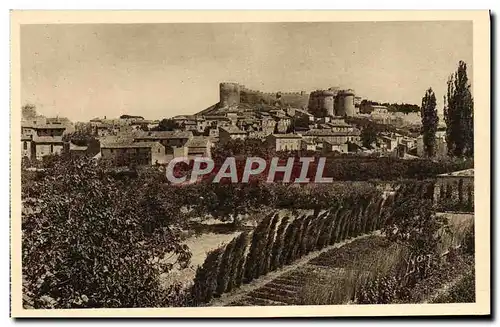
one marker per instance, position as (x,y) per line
(430,121)
(459,114)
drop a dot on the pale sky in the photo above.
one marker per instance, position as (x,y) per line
(161,70)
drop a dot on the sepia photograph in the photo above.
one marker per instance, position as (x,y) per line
(211,164)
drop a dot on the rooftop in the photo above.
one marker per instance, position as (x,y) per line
(460,173)
(49,139)
(338,123)
(334,143)
(133,145)
(329,132)
(74,147)
(232,130)
(198,142)
(287,136)
(155,135)
(43,126)
(303,112)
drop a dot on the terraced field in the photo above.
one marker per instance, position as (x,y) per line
(330,266)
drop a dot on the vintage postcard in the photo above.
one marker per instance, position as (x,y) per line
(250,164)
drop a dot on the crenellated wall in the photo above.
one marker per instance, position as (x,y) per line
(233,93)
(329,102)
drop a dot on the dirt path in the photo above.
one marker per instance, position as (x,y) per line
(243,290)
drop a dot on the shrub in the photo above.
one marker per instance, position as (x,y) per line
(237,264)
(258,244)
(335,229)
(90,241)
(324,226)
(205,281)
(319,227)
(265,256)
(278,246)
(304,239)
(468,242)
(460,191)
(291,239)
(462,292)
(413,221)
(224,273)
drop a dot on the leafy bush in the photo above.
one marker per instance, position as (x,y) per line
(259,241)
(224,274)
(90,241)
(462,292)
(205,281)
(279,244)
(238,263)
(413,221)
(276,242)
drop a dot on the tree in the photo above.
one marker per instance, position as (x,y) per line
(429,122)
(413,222)
(91,241)
(459,114)
(166,125)
(369,135)
(28,111)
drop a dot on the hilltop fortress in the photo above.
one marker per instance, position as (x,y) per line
(330,102)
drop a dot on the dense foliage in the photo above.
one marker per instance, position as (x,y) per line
(430,121)
(459,114)
(343,167)
(278,241)
(393,107)
(90,240)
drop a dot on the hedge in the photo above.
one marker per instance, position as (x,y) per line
(277,242)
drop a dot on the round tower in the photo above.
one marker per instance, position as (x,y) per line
(328,103)
(345,103)
(229,94)
(322,103)
(349,107)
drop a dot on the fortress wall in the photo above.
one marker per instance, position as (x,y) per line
(293,99)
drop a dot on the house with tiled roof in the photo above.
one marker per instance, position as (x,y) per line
(199,146)
(326,134)
(39,138)
(284,142)
(169,139)
(135,153)
(228,133)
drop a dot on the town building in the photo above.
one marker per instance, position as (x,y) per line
(320,135)
(136,153)
(39,139)
(74,150)
(329,146)
(199,146)
(229,133)
(169,139)
(441,148)
(284,142)
(388,143)
(308,145)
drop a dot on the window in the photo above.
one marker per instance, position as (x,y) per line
(51,148)
(25,145)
